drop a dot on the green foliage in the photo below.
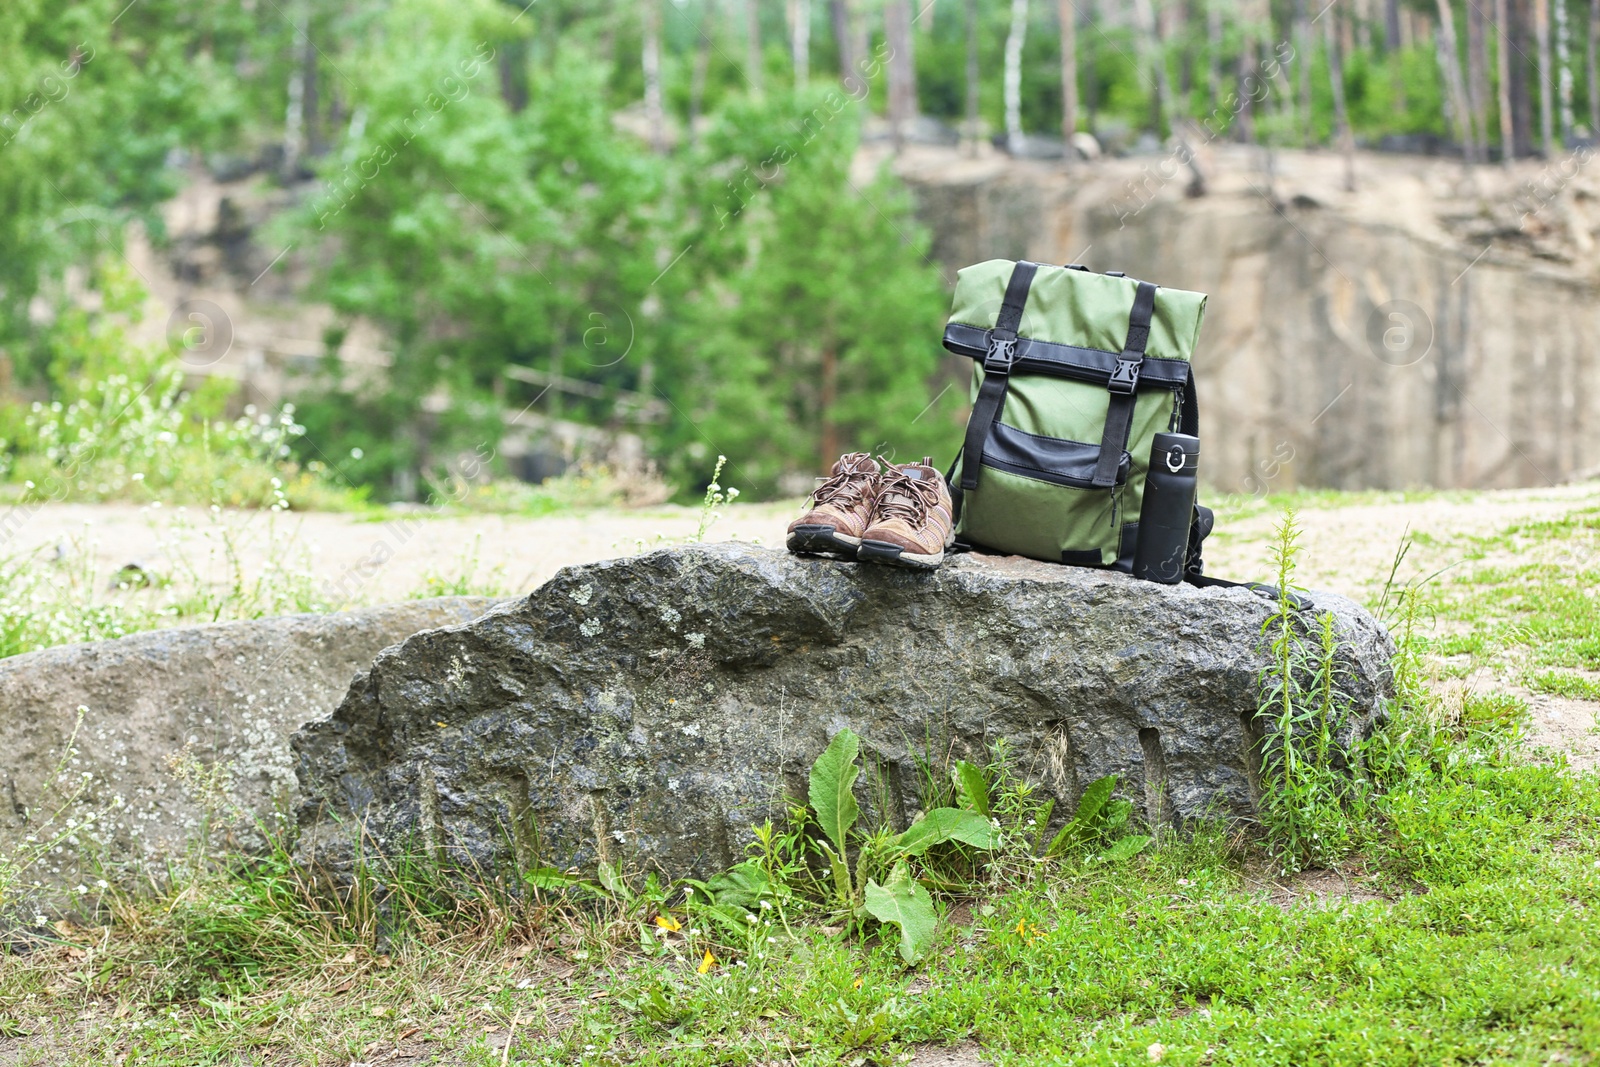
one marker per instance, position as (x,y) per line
(1308,781)
(1566,684)
(475,236)
(126,426)
(1098,824)
(974,786)
(805,303)
(833,777)
(715,498)
(88,114)
(899,899)
(901,902)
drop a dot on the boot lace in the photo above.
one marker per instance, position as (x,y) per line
(849,487)
(905,497)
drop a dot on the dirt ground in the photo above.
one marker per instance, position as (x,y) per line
(363,559)
(1346,548)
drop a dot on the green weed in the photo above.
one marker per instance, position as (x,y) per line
(1565,684)
(1309,782)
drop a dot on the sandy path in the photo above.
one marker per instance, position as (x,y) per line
(1349,548)
(354,559)
(1346,548)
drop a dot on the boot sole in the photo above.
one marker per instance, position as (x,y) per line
(895,556)
(823,540)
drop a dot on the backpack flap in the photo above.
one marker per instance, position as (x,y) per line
(1074,375)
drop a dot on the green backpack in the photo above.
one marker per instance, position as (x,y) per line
(1074,374)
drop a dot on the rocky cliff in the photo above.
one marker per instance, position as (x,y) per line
(1432,328)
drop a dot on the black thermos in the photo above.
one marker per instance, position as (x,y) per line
(1168,508)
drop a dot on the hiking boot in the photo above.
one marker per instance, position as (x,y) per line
(841,508)
(912,524)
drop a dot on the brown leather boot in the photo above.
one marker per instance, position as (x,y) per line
(841,508)
(913,523)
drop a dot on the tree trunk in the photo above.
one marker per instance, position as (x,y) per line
(1594,68)
(1068,13)
(800,40)
(1478,74)
(1391,25)
(1564,69)
(310,107)
(1088,77)
(752,47)
(513,64)
(1248,77)
(1519,16)
(1013,74)
(1214,52)
(650,59)
(844,36)
(294,113)
(1541,29)
(902,69)
(1302,62)
(1180,18)
(1153,57)
(702,66)
(972,76)
(1450,66)
(1508,133)
(1341,115)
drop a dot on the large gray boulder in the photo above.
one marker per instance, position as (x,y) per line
(649,710)
(215,704)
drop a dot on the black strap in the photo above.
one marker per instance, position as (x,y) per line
(1260,589)
(996,370)
(1124,387)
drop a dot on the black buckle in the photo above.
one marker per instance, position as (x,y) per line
(1125,378)
(1002,353)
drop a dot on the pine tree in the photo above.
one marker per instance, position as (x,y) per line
(814,327)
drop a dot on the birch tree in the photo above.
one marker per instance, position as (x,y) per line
(1013,75)
(650,60)
(800,39)
(1068,12)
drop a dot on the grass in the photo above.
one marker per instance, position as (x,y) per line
(1523,606)
(1472,936)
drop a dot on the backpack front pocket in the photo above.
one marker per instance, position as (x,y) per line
(1035,498)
